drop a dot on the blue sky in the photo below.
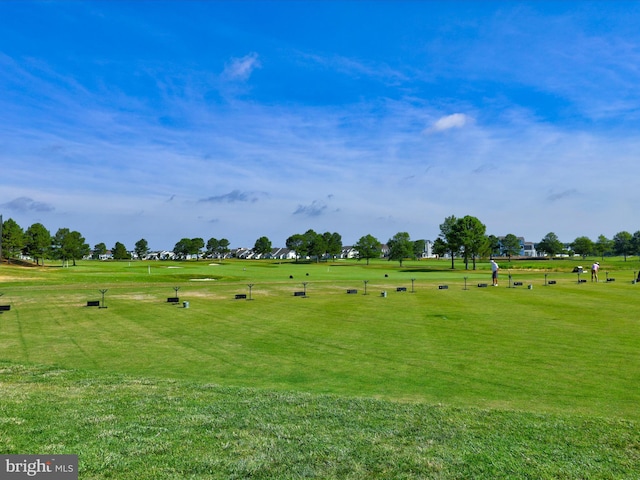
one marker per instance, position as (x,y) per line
(163,120)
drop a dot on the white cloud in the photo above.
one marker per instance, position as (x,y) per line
(456,120)
(240,69)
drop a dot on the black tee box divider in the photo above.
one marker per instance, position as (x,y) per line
(93,303)
(401,289)
(298,294)
(352,291)
(240,296)
(443,287)
(5,308)
(173,300)
(482,285)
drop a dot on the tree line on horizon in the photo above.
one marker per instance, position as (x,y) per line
(463,237)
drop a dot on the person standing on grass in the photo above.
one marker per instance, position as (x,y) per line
(494,272)
(594,271)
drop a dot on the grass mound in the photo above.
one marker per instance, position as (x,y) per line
(128,427)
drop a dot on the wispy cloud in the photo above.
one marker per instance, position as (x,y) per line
(485,168)
(233,197)
(26,204)
(455,120)
(356,67)
(240,69)
(314,209)
(555,196)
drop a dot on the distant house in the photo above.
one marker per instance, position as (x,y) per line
(274,254)
(243,253)
(530,249)
(281,254)
(428,250)
(348,252)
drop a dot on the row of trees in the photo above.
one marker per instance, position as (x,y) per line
(66,245)
(193,247)
(465,237)
(623,244)
(37,242)
(459,238)
(314,245)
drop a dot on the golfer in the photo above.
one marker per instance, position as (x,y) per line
(594,271)
(494,272)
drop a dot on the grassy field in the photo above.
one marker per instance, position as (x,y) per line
(128,428)
(505,382)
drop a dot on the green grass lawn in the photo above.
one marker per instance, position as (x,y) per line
(129,428)
(499,366)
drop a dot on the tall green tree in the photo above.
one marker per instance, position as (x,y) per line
(622,244)
(368,247)
(400,247)
(69,245)
(440,247)
(603,246)
(419,247)
(37,242)
(13,240)
(223,247)
(262,246)
(182,248)
(99,249)
(635,243)
(510,245)
(471,235)
(450,237)
(141,248)
(550,245)
(583,246)
(80,248)
(493,246)
(120,252)
(315,244)
(213,244)
(297,243)
(333,241)
(197,244)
